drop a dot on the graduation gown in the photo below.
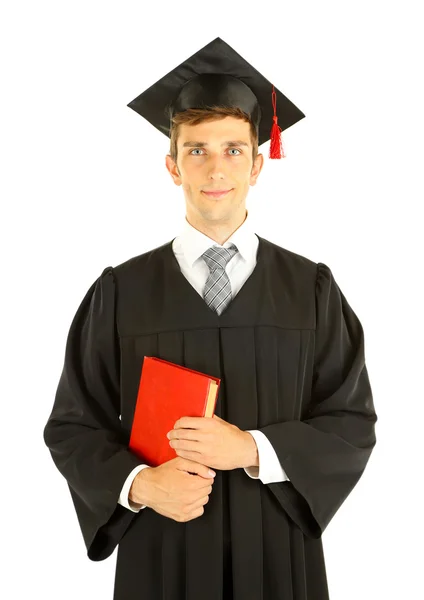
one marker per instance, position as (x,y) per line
(290,354)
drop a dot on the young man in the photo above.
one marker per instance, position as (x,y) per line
(294,424)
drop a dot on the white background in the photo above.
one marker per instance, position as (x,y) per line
(84,186)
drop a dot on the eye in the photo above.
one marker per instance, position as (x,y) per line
(191,151)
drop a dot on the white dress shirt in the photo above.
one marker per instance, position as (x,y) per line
(188,248)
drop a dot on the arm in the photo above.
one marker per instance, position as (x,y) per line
(268,468)
(124,498)
(83,432)
(326,453)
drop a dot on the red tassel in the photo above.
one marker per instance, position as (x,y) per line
(276,148)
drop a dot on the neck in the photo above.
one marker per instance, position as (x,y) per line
(219,232)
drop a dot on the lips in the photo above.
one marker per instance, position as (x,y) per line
(217,194)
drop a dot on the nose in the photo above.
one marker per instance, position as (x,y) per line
(216,168)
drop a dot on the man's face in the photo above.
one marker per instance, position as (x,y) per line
(215,155)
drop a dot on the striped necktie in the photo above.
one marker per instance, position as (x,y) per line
(217,291)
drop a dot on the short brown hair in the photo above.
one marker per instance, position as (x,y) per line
(194,116)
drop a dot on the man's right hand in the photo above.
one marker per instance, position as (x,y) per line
(172,491)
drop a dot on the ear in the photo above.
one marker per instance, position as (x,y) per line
(256,169)
(172,167)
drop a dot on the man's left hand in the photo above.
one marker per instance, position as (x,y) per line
(211,441)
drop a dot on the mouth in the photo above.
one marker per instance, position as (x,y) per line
(217,194)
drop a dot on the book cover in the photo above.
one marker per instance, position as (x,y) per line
(168,391)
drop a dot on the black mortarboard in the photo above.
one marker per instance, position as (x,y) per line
(218,75)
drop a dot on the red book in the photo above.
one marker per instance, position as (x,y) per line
(167,392)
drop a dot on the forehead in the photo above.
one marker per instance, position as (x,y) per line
(228,128)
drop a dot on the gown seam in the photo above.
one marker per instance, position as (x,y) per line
(132,335)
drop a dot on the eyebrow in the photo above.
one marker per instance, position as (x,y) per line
(201,144)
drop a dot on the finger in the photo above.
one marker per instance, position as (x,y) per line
(195,456)
(183,445)
(184,434)
(191,423)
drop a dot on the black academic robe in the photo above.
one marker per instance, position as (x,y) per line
(290,354)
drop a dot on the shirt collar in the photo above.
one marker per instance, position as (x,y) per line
(194,243)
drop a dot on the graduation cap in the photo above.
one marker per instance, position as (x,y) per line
(218,75)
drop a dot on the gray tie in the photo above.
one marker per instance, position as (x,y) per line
(217,292)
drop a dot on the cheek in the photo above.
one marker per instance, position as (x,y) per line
(191,174)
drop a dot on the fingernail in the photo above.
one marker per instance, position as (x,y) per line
(212,473)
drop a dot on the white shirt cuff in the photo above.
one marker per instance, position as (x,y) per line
(123,498)
(270,469)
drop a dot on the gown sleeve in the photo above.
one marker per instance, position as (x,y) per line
(326,452)
(83,431)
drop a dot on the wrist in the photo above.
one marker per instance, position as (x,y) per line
(140,490)
(251,454)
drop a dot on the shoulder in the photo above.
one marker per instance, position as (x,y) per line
(290,263)
(141,263)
